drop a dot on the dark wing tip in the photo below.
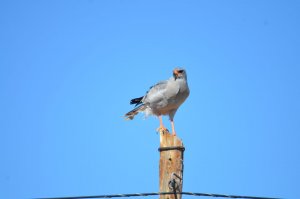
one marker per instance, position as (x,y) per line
(136,101)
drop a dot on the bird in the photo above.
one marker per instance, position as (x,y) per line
(164,98)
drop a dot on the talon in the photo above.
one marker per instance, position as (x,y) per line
(162,129)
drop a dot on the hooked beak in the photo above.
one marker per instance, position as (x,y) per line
(175,73)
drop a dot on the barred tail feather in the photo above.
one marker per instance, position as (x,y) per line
(130,115)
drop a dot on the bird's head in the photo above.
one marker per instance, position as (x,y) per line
(179,73)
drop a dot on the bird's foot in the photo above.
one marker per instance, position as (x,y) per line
(174,133)
(162,130)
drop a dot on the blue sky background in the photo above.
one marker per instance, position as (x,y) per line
(69,68)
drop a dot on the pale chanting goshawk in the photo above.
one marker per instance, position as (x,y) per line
(164,98)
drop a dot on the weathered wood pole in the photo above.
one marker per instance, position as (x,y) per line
(170,165)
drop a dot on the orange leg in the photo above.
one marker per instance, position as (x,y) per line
(173,128)
(161,125)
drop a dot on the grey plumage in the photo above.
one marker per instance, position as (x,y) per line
(164,98)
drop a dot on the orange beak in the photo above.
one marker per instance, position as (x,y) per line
(175,72)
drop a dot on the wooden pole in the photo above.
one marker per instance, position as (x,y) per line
(170,165)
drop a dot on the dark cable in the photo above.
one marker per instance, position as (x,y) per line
(168,148)
(161,193)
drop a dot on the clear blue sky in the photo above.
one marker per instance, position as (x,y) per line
(69,68)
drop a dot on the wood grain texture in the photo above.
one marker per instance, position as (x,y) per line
(170,164)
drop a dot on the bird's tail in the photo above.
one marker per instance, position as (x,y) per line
(130,115)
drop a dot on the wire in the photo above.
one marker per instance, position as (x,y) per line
(168,148)
(161,193)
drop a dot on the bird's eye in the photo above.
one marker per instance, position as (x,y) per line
(180,71)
